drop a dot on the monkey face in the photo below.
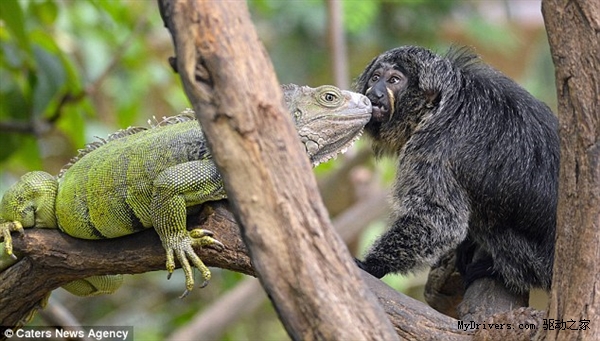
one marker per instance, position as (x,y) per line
(384,83)
(401,93)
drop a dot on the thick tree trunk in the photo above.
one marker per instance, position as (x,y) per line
(301,262)
(573,28)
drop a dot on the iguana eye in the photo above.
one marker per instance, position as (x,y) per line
(330,97)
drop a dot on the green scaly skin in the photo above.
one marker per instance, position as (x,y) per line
(140,178)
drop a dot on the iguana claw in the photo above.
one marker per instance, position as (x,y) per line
(6,228)
(183,249)
(205,239)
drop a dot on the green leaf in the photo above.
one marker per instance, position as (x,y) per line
(51,77)
(12,14)
(20,149)
(48,43)
(13,104)
(72,123)
(359,15)
(46,11)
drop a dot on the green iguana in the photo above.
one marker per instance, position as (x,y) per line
(140,178)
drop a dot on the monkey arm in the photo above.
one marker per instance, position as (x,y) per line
(429,220)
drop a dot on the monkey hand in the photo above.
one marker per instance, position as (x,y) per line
(376,270)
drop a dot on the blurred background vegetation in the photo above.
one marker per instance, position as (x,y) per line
(73,70)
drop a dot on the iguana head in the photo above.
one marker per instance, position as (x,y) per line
(30,201)
(328,119)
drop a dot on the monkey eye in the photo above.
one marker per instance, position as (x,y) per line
(394,80)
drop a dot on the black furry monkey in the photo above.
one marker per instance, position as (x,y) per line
(478,160)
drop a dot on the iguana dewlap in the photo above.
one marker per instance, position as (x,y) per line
(146,177)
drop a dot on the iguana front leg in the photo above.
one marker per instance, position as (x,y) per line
(6,259)
(28,203)
(175,189)
(5,229)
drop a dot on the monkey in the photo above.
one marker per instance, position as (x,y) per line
(477,168)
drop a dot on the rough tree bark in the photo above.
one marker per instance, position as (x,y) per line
(573,28)
(299,259)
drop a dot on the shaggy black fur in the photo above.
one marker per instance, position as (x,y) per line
(478,160)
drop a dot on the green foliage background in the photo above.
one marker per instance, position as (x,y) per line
(73,70)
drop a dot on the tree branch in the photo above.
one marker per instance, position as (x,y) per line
(231,83)
(49,259)
(573,28)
